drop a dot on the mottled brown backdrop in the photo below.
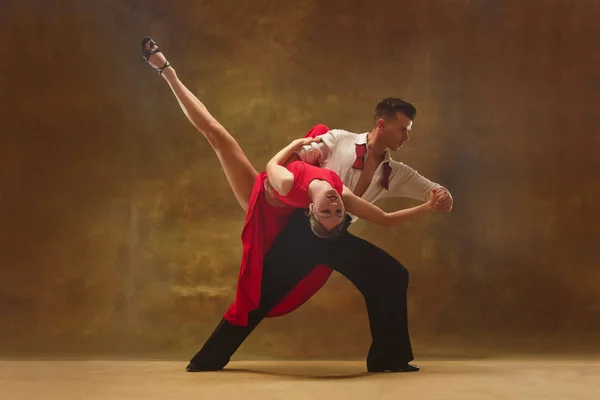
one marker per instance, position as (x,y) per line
(119,234)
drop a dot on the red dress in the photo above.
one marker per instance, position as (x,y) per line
(263,223)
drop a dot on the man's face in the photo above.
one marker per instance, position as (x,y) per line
(394,131)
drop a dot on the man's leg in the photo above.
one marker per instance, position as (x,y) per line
(286,263)
(381,279)
(383,282)
(223,343)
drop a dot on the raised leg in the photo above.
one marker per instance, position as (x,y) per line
(238,169)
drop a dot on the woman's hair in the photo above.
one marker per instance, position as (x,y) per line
(319,230)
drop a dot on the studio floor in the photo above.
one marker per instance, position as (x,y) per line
(548,378)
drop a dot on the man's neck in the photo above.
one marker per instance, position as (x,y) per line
(376,149)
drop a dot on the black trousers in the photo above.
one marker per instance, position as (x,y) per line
(381,279)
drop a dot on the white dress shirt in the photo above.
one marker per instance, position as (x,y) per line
(337,152)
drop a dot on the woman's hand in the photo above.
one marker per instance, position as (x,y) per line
(433,198)
(304,141)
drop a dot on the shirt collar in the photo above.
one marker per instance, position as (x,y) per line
(361,139)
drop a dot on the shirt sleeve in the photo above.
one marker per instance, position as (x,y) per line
(318,151)
(407,182)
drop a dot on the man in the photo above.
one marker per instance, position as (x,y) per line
(365,166)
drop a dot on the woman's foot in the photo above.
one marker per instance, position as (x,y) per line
(153,55)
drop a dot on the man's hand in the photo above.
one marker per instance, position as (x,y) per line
(444,201)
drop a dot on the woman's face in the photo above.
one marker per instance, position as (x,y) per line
(328,209)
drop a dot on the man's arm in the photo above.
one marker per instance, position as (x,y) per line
(407,182)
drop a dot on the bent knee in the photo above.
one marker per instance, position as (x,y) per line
(396,278)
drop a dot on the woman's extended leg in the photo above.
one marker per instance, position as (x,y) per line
(239,171)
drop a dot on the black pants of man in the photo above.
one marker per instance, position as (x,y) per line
(381,279)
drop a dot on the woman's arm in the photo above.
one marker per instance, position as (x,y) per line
(370,212)
(279,176)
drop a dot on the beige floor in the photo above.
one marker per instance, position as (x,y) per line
(330,380)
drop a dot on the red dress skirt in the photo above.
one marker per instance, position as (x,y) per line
(263,222)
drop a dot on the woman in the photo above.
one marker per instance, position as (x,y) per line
(269,198)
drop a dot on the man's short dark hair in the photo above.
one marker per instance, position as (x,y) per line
(387,108)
